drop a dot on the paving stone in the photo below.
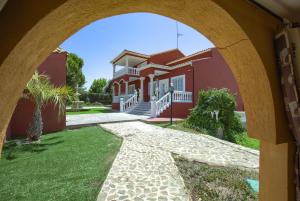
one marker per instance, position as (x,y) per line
(145,170)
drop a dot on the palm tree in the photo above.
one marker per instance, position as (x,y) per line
(40,91)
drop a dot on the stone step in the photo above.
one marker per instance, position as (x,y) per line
(141,109)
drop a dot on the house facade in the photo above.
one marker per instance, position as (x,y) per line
(141,82)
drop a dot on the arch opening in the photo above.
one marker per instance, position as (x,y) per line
(250,59)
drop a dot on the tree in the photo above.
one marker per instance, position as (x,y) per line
(40,91)
(98,85)
(74,71)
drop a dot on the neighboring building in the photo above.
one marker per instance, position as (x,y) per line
(151,76)
(55,68)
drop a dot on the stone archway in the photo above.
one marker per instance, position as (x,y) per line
(242,32)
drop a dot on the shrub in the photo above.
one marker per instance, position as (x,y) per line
(223,101)
(96,98)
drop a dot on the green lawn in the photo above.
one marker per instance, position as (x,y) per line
(246,141)
(67,165)
(89,111)
(211,183)
(243,139)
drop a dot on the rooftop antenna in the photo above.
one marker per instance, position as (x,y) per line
(177,34)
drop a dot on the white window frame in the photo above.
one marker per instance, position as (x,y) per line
(179,76)
(132,85)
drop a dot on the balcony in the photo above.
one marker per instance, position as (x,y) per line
(127,71)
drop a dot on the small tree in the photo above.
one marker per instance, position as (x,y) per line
(75,77)
(40,91)
(223,101)
(98,85)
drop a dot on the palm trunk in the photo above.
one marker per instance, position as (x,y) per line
(35,129)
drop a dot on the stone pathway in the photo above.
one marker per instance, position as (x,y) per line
(89,119)
(144,168)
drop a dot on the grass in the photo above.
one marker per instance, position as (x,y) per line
(67,165)
(243,139)
(246,141)
(212,183)
(88,111)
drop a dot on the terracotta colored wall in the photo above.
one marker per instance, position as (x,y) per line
(54,67)
(122,87)
(146,72)
(204,54)
(136,84)
(116,89)
(115,106)
(166,57)
(215,73)
(180,110)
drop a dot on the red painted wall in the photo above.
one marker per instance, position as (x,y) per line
(213,72)
(115,106)
(136,83)
(165,57)
(180,110)
(55,67)
(198,55)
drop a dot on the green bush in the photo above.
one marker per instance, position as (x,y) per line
(223,101)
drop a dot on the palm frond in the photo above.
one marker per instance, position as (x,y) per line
(43,92)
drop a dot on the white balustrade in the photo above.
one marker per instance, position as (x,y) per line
(127,71)
(162,104)
(157,107)
(133,71)
(126,105)
(182,96)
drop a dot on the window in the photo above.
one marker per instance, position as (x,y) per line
(131,89)
(178,82)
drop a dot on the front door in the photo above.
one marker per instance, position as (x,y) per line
(163,87)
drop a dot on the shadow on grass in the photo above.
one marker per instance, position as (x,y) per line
(15,148)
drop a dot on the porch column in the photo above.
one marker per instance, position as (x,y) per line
(114,69)
(126,88)
(151,76)
(141,95)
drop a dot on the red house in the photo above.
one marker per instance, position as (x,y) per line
(55,68)
(141,85)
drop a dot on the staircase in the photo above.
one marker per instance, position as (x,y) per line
(143,108)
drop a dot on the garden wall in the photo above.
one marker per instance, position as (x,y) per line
(55,67)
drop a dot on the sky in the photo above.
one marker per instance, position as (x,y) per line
(101,41)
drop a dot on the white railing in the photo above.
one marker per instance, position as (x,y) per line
(116,99)
(127,105)
(126,71)
(157,107)
(182,96)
